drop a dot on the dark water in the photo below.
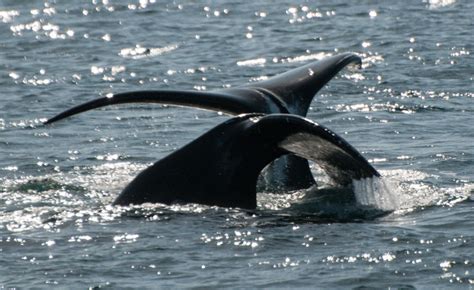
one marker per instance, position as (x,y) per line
(410,111)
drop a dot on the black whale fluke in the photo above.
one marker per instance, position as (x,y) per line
(233,102)
(222,166)
(289,92)
(297,87)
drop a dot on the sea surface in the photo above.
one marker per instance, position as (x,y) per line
(409,110)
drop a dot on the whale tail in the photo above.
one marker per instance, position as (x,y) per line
(290,92)
(222,166)
(246,101)
(296,88)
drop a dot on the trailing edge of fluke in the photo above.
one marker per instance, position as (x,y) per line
(287,93)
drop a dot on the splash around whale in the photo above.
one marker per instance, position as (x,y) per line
(223,166)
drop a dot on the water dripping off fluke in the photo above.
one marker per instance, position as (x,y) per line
(376,192)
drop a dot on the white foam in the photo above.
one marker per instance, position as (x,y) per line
(139,52)
(435,4)
(404,190)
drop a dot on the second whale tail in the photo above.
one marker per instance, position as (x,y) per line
(289,92)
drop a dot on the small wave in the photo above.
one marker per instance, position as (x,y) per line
(252,62)
(406,190)
(435,4)
(392,107)
(307,57)
(139,52)
(45,184)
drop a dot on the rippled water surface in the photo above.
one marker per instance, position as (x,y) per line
(409,110)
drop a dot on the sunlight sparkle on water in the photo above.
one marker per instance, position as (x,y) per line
(8,15)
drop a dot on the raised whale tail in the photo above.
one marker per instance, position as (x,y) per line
(290,92)
(222,166)
(298,86)
(233,104)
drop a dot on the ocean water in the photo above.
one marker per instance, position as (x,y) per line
(409,110)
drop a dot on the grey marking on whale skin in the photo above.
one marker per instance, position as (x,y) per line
(289,92)
(222,166)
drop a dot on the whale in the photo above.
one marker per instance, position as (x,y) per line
(290,92)
(221,167)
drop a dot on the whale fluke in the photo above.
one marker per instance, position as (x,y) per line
(297,87)
(289,92)
(234,102)
(221,167)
